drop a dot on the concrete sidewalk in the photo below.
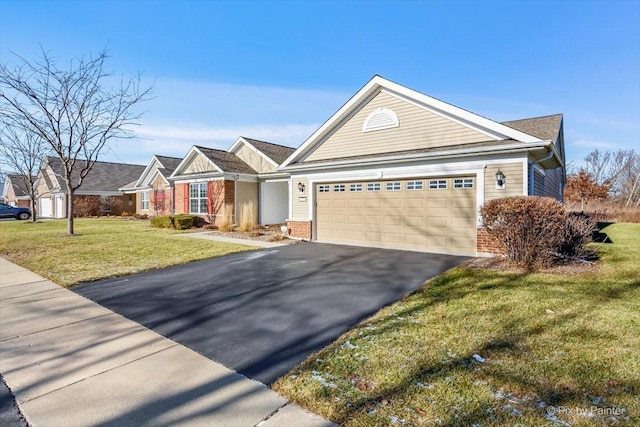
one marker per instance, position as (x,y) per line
(71,362)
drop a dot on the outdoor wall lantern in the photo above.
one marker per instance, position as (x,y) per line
(501,180)
(301,187)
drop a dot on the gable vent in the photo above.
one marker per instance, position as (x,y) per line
(380,118)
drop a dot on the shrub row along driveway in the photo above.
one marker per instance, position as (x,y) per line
(263,312)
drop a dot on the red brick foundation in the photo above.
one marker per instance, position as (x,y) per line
(486,244)
(300,229)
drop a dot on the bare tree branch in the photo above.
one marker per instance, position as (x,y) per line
(72,110)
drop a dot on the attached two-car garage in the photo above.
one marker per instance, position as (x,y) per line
(436,214)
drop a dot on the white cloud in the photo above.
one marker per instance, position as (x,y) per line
(593,144)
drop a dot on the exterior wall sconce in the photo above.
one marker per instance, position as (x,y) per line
(237,177)
(301,187)
(501,180)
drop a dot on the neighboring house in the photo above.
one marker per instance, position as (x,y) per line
(15,192)
(153,190)
(98,195)
(208,181)
(395,168)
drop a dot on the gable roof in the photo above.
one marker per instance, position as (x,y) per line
(18,184)
(494,130)
(544,127)
(226,161)
(103,177)
(276,152)
(169,164)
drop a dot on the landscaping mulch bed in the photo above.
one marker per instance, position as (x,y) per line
(498,263)
(271,233)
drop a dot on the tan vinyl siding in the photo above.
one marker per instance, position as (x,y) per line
(515,184)
(198,164)
(255,160)
(548,185)
(246,192)
(418,129)
(300,207)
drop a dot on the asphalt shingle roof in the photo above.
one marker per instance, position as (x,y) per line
(277,153)
(19,187)
(226,161)
(104,176)
(170,164)
(545,127)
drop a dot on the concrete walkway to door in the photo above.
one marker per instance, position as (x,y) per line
(69,361)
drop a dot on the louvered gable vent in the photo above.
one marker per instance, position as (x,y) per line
(380,118)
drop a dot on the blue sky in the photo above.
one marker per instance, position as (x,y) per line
(277,70)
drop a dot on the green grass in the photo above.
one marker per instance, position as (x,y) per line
(101,248)
(561,341)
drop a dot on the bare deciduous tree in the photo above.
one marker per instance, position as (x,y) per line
(620,170)
(22,152)
(74,110)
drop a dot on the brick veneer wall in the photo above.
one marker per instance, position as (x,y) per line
(230,194)
(486,244)
(178,202)
(300,229)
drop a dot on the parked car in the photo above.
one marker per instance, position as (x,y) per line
(7,211)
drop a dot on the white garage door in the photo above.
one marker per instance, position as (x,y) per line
(45,207)
(429,214)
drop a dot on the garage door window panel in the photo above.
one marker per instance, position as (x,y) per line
(374,186)
(323,188)
(438,184)
(415,185)
(460,183)
(355,188)
(339,188)
(393,186)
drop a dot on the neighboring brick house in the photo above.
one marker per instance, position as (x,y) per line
(208,181)
(153,189)
(15,192)
(99,194)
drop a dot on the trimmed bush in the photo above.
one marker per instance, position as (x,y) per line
(183,222)
(162,222)
(179,222)
(530,229)
(578,232)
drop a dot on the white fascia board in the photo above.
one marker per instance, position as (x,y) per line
(244,177)
(450,154)
(191,154)
(273,175)
(352,102)
(465,117)
(458,112)
(147,170)
(236,145)
(186,179)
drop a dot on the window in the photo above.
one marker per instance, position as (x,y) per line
(463,183)
(198,198)
(393,186)
(323,188)
(373,186)
(144,201)
(437,184)
(355,187)
(339,188)
(105,203)
(415,185)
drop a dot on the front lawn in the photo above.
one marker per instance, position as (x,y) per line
(478,347)
(101,248)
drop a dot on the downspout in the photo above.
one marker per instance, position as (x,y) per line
(532,173)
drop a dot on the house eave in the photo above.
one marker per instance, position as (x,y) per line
(448,154)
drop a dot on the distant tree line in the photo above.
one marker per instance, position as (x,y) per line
(606,176)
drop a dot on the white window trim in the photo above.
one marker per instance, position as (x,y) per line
(339,188)
(355,188)
(324,188)
(142,200)
(199,198)
(463,183)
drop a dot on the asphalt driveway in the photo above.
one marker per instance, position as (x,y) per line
(263,312)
